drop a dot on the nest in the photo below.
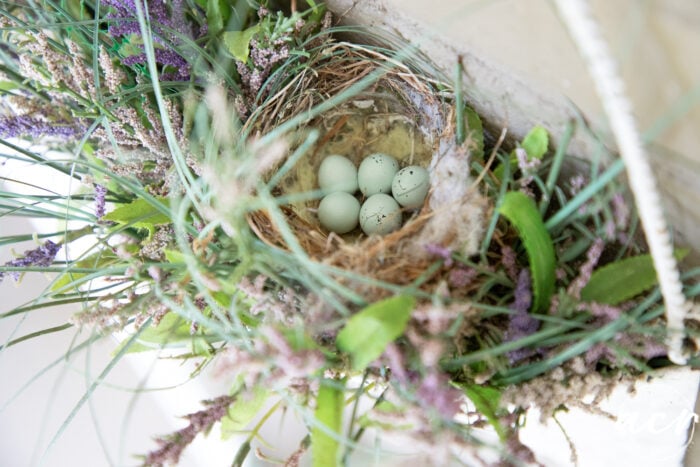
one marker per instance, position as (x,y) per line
(401,114)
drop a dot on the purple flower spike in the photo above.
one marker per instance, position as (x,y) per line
(42,256)
(168,25)
(584,276)
(170,447)
(24,125)
(510,262)
(523,295)
(100,193)
(521,323)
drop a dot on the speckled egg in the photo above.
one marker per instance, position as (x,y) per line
(338,212)
(380,215)
(337,173)
(410,186)
(376,173)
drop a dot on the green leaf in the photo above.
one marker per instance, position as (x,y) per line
(218,12)
(238,42)
(298,340)
(535,143)
(174,256)
(65,280)
(101,259)
(622,280)
(243,411)
(329,413)
(475,131)
(140,214)
(317,11)
(487,399)
(131,45)
(522,212)
(367,333)
(6,86)
(222,299)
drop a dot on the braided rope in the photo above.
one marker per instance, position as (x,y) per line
(579,21)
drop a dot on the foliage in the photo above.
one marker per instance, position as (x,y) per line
(154,111)
(621,281)
(367,333)
(329,416)
(522,212)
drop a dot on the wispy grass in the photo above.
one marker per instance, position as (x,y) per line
(88,393)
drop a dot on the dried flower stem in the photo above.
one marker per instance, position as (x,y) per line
(579,21)
(171,447)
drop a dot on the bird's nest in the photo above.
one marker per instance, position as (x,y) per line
(401,114)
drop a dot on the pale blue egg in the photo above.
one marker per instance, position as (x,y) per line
(380,215)
(337,173)
(410,186)
(339,212)
(376,173)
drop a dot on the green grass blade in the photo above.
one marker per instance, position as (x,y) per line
(32,335)
(48,368)
(505,180)
(615,169)
(91,389)
(459,102)
(522,212)
(555,169)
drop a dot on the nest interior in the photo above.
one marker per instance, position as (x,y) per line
(401,114)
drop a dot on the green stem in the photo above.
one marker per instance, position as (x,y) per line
(587,193)
(556,167)
(459,101)
(36,334)
(243,451)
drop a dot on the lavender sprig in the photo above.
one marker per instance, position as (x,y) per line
(100,194)
(24,125)
(521,323)
(171,446)
(584,276)
(167,26)
(123,21)
(42,256)
(263,60)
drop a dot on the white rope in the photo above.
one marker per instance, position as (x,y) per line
(584,30)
